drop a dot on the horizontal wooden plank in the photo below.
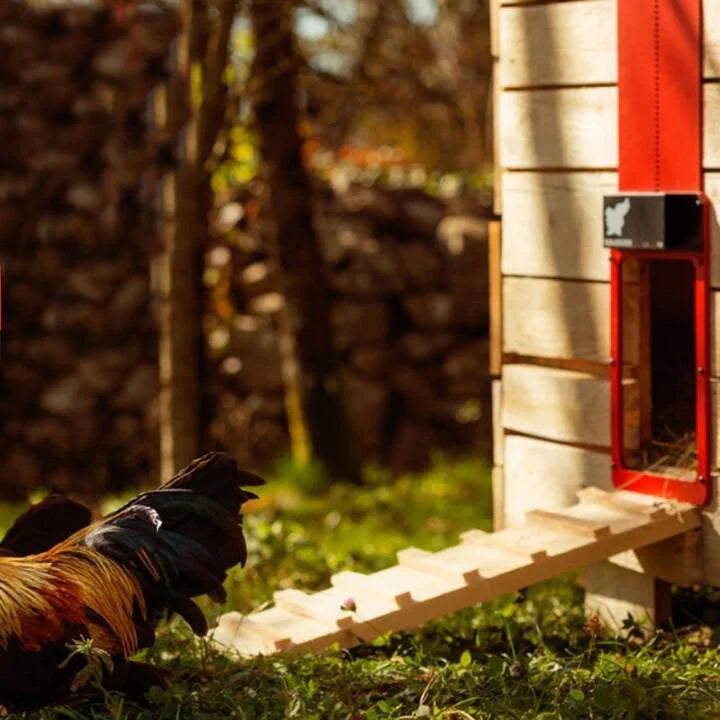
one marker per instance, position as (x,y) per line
(576,128)
(563,128)
(565,405)
(553,224)
(571,43)
(547,475)
(568,43)
(564,319)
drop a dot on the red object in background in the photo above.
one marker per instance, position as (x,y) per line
(660,149)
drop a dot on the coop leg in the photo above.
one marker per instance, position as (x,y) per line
(613,593)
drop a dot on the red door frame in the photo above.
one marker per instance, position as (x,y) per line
(660,149)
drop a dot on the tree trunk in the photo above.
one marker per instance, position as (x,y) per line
(203,54)
(275,93)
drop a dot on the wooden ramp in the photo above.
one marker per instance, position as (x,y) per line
(425,585)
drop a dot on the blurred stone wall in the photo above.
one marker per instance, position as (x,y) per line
(78,375)
(409,280)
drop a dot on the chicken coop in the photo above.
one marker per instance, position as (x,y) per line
(603,268)
(605,274)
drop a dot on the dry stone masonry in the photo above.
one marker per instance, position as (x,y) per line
(77,162)
(410,317)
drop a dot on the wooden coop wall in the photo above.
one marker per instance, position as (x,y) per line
(557,151)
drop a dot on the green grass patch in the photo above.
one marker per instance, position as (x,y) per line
(521,657)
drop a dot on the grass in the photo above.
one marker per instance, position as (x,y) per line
(521,657)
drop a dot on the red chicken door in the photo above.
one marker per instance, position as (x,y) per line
(656,228)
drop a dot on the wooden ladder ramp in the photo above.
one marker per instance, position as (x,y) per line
(424,585)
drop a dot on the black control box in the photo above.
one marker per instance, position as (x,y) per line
(653,221)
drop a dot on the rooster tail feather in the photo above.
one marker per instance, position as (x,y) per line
(180,540)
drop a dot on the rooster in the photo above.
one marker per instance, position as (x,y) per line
(63,579)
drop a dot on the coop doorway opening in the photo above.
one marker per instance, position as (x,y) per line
(665,376)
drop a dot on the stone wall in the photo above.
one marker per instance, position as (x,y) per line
(410,312)
(78,375)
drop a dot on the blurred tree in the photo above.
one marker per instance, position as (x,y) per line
(203,52)
(310,362)
(414,74)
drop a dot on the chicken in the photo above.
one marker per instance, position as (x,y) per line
(111,581)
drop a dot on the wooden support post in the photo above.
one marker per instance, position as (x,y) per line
(613,593)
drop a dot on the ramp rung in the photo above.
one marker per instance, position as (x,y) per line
(429,563)
(498,542)
(315,607)
(619,501)
(246,626)
(355,582)
(568,523)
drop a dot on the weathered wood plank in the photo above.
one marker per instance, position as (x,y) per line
(563,128)
(553,224)
(568,43)
(552,227)
(576,128)
(564,319)
(564,405)
(559,44)
(547,475)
